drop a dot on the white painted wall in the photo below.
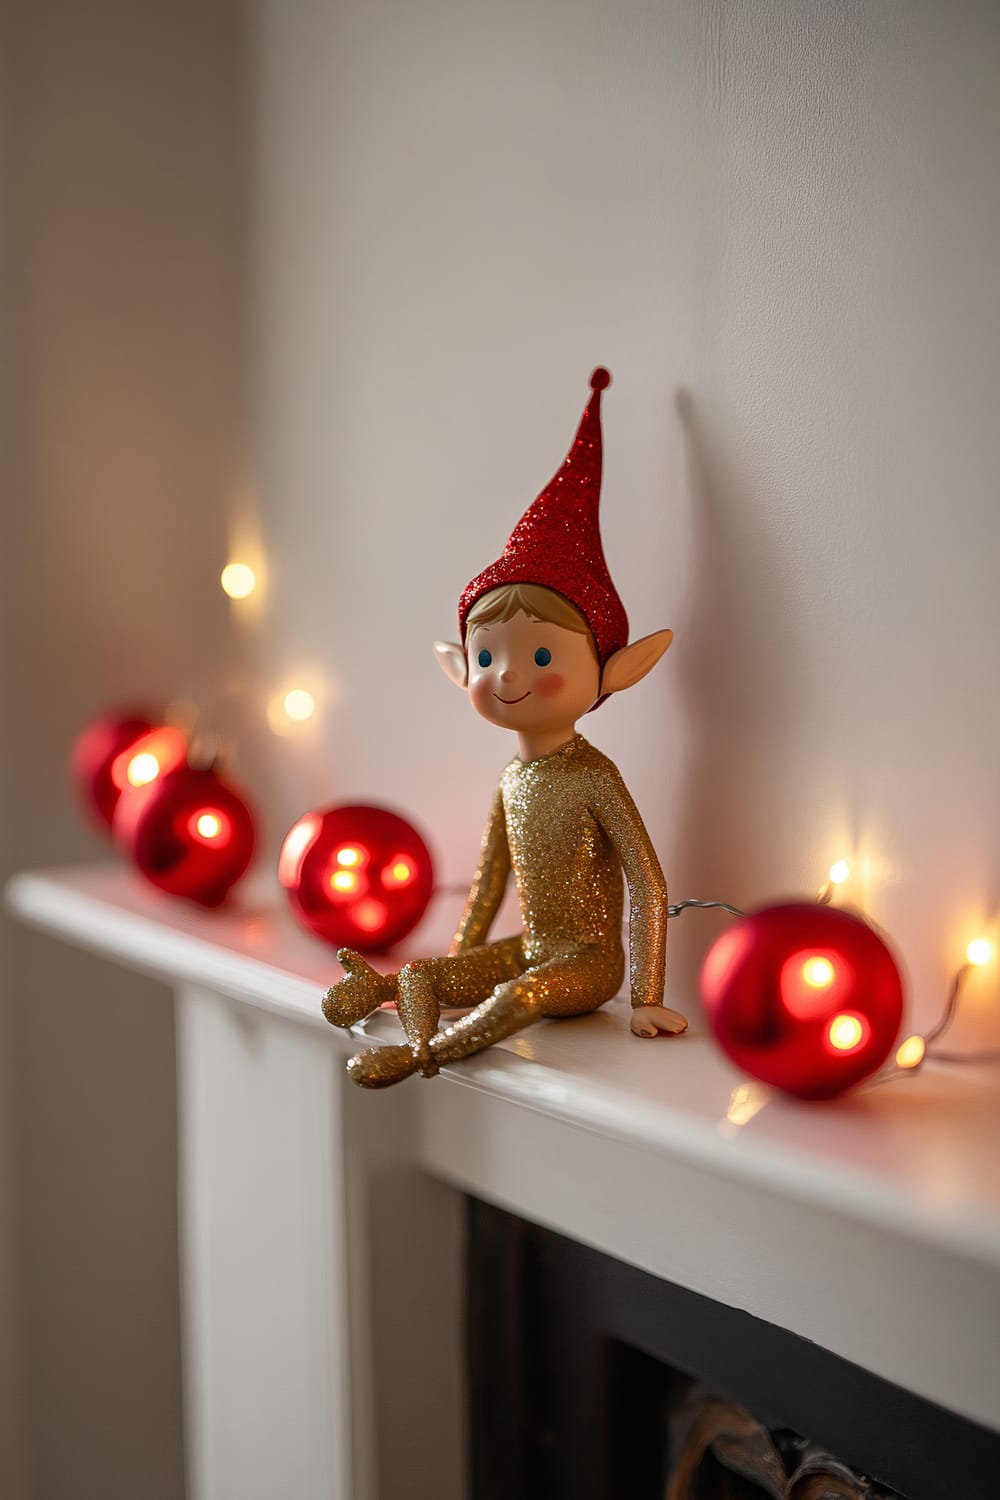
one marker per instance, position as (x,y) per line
(121,308)
(789,211)
(13,1455)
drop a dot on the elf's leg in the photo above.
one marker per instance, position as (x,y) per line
(427,987)
(568,986)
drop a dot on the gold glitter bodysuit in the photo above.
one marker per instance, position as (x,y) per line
(567,827)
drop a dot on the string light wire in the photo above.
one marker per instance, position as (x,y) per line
(987,1055)
(679,906)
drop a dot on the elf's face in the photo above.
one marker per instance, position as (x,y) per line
(527,675)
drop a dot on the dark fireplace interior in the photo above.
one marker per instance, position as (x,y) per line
(592,1380)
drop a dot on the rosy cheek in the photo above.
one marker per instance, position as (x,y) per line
(480,691)
(550,684)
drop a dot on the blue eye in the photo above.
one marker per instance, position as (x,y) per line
(543,656)
(484,658)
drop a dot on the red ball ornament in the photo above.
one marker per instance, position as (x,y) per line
(803,996)
(94,753)
(358,877)
(189,832)
(136,771)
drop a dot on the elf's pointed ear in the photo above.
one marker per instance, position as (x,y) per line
(630,665)
(452,661)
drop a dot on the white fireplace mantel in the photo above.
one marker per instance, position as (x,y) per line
(320,1228)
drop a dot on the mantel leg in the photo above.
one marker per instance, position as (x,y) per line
(263,1256)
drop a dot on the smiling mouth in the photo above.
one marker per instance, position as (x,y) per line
(513,700)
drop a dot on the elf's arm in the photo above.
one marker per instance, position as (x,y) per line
(647,889)
(489,883)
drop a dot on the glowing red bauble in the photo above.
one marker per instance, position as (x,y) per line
(152,754)
(189,832)
(136,771)
(359,877)
(805,997)
(95,751)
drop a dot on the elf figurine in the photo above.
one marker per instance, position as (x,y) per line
(543,641)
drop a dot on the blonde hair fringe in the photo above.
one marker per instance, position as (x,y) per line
(501,604)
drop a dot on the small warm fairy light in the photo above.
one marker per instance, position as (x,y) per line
(838,872)
(299,705)
(979,951)
(142,769)
(399,871)
(209,825)
(289,709)
(238,580)
(818,972)
(343,880)
(349,856)
(846,1032)
(911,1052)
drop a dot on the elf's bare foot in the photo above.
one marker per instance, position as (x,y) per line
(380,1067)
(361,991)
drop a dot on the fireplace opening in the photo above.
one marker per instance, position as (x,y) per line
(589,1379)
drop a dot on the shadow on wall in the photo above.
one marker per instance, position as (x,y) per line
(737,676)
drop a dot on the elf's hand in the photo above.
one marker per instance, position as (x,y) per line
(648,1020)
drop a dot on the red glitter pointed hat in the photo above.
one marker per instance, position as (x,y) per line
(557,542)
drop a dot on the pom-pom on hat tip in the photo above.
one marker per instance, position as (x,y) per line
(601,379)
